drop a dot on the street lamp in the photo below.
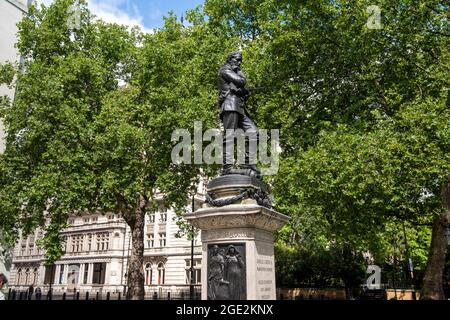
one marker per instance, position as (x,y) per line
(52,277)
(409,263)
(191,282)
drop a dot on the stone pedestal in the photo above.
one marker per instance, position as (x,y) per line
(237,226)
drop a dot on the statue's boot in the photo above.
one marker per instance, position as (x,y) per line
(226,169)
(251,167)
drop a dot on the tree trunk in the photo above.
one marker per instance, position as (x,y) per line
(135,265)
(432,288)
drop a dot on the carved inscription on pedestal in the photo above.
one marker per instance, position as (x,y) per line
(265,285)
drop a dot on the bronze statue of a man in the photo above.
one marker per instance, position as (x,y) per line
(232,98)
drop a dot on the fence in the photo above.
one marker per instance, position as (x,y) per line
(311,294)
(346,294)
(157,294)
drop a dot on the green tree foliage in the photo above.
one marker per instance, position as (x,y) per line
(59,91)
(331,266)
(78,143)
(363,113)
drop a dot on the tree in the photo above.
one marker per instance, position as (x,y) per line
(59,90)
(362,114)
(347,99)
(77,142)
(364,181)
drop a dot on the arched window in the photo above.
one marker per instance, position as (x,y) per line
(27,276)
(148,274)
(161,273)
(19,276)
(35,276)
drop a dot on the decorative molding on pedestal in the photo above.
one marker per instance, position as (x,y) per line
(237,233)
(237,216)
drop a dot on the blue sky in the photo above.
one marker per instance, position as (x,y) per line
(153,11)
(148,14)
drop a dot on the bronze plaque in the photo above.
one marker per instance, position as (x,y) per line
(227,271)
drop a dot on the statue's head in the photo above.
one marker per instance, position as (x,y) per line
(235,59)
(231,250)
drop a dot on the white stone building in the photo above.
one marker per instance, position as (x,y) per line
(97,249)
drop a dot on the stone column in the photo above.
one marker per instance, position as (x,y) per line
(66,274)
(90,273)
(81,274)
(237,226)
(57,271)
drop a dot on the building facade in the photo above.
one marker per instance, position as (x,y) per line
(97,249)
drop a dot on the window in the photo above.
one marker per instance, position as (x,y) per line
(19,276)
(151,217)
(98,276)
(71,221)
(86,273)
(162,239)
(22,250)
(27,276)
(94,219)
(102,241)
(77,243)
(64,240)
(49,272)
(148,274)
(150,240)
(89,242)
(161,273)
(86,220)
(61,274)
(163,217)
(197,271)
(35,276)
(31,249)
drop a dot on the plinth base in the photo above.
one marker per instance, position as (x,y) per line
(248,271)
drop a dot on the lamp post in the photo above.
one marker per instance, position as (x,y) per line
(52,277)
(191,282)
(125,280)
(409,263)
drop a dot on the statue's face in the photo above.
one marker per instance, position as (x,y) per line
(236,62)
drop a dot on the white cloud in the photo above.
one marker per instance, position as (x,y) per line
(110,11)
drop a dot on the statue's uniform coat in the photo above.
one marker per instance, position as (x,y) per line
(231,84)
